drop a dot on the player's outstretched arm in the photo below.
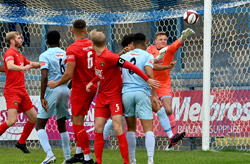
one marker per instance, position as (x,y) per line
(186,33)
(92,82)
(35,64)
(68,74)
(2,69)
(44,81)
(160,67)
(13,67)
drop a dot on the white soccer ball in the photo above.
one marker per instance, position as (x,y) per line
(190,17)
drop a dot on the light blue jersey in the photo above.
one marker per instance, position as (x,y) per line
(57,98)
(53,59)
(131,81)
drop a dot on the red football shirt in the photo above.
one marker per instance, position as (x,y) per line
(82,53)
(109,74)
(14,79)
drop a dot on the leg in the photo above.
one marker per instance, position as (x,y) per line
(99,141)
(167,103)
(123,144)
(82,137)
(131,123)
(107,128)
(11,120)
(64,136)
(149,139)
(44,139)
(28,127)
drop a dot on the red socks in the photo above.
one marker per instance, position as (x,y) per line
(3,128)
(99,144)
(28,127)
(123,145)
(82,138)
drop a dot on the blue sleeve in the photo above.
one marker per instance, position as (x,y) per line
(149,61)
(44,63)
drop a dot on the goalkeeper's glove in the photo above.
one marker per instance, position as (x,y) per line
(161,53)
(186,33)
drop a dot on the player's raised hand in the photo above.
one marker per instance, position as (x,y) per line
(45,105)
(153,83)
(187,33)
(162,53)
(52,84)
(88,86)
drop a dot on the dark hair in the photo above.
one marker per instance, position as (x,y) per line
(139,38)
(127,39)
(53,37)
(79,24)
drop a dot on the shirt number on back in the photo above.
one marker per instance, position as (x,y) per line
(90,59)
(62,68)
(133,61)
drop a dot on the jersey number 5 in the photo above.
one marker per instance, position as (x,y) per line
(90,59)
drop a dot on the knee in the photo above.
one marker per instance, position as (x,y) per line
(98,128)
(118,129)
(169,111)
(33,119)
(11,121)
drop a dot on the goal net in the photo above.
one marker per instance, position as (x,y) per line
(230,80)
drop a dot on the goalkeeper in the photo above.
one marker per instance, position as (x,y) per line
(164,54)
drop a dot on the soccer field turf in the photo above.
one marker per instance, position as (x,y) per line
(14,156)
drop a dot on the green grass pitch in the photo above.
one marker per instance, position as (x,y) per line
(15,156)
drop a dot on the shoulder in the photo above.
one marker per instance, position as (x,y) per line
(9,52)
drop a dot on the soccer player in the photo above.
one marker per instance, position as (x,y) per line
(53,101)
(136,97)
(16,96)
(80,67)
(109,94)
(164,54)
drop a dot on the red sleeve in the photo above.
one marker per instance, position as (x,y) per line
(135,69)
(25,61)
(113,58)
(70,56)
(172,50)
(8,57)
(95,80)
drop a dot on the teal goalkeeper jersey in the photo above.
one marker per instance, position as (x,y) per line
(53,60)
(131,81)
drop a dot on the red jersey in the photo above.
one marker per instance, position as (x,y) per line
(164,76)
(14,79)
(82,53)
(109,74)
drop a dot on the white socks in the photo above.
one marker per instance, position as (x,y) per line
(44,140)
(65,145)
(150,145)
(107,129)
(131,145)
(165,122)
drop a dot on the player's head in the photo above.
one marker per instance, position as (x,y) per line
(139,40)
(160,39)
(14,39)
(79,27)
(98,38)
(53,38)
(127,40)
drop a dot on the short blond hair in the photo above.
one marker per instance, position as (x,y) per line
(159,34)
(11,35)
(98,38)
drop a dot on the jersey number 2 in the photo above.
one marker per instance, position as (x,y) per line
(133,61)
